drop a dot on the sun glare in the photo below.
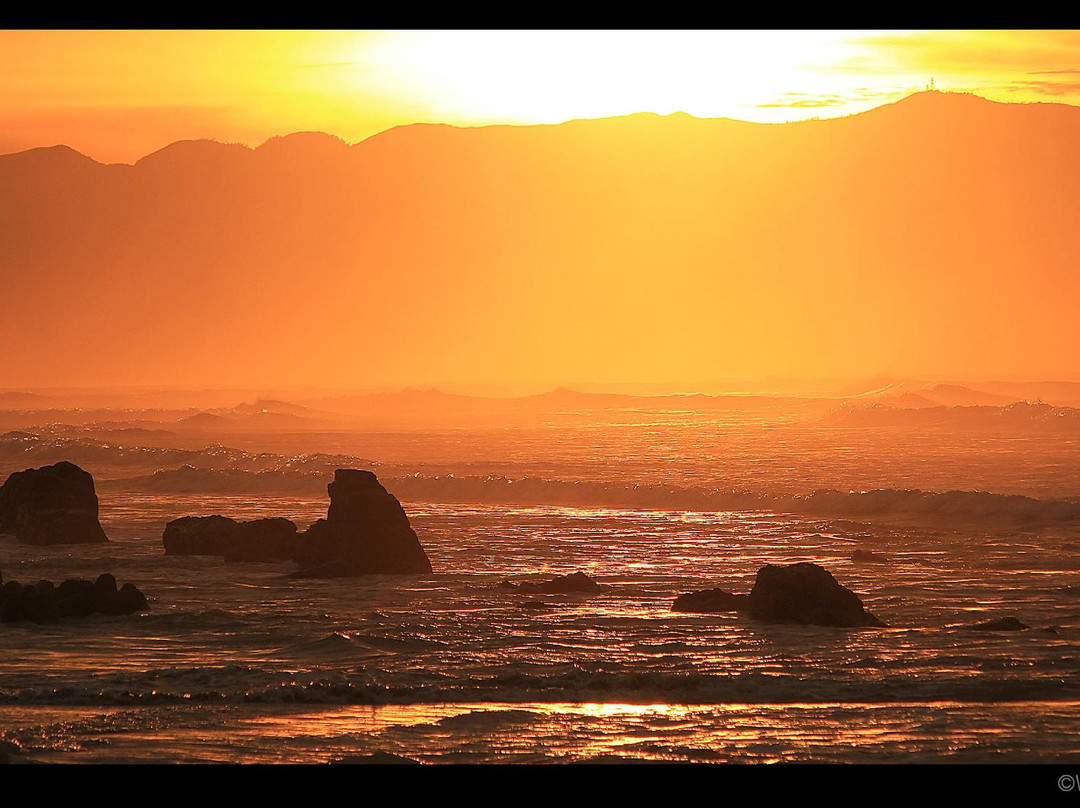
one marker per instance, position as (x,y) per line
(119,95)
(553,76)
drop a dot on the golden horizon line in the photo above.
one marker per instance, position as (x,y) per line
(751,388)
(642,113)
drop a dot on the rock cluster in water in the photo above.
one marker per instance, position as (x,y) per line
(366,531)
(802,593)
(45,603)
(51,505)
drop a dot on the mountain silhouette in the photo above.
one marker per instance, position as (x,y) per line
(931,236)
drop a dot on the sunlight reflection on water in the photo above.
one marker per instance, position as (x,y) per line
(547,732)
(242,662)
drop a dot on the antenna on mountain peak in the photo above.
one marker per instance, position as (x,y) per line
(931,84)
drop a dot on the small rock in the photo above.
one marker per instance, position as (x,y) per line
(574,583)
(1001,624)
(868,557)
(709,601)
(377,759)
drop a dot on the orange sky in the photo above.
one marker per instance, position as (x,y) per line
(930,237)
(119,95)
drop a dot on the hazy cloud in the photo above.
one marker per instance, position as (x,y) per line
(1052,88)
(828,100)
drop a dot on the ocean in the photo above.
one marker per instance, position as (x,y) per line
(242,663)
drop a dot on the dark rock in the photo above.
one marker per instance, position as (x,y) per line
(1001,624)
(377,759)
(709,601)
(274,539)
(577,582)
(51,505)
(45,603)
(867,557)
(76,598)
(806,594)
(8,750)
(131,599)
(105,585)
(128,600)
(366,531)
(10,595)
(27,603)
(198,535)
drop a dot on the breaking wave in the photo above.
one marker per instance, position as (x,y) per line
(947,509)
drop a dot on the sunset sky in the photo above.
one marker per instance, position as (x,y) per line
(930,237)
(119,95)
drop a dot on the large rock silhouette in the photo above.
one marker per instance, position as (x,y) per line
(51,505)
(366,531)
(805,593)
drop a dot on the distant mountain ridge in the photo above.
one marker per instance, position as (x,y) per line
(931,236)
(919,104)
